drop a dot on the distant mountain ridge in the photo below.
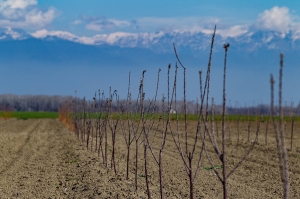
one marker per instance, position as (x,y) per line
(161,42)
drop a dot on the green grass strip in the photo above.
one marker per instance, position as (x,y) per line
(190,117)
(34,115)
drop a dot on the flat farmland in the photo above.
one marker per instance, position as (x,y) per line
(41,158)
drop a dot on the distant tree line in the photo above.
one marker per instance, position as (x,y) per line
(191,107)
(10,102)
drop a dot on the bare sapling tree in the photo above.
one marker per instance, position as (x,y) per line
(222,156)
(113,124)
(98,114)
(163,130)
(88,126)
(92,114)
(187,155)
(127,133)
(146,131)
(105,134)
(258,118)
(83,120)
(137,132)
(226,46)
(145,138)
(280,137)
(101,122)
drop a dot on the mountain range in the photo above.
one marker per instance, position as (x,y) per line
(60,62)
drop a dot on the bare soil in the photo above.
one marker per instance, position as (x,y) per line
(40,158)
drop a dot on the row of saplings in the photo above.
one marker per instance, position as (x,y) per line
(140,119)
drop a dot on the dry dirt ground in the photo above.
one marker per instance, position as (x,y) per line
(40,158)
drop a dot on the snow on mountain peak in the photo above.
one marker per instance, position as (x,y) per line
(40,34)
(162,41)
(15,34)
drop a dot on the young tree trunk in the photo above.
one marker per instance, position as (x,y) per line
(191,177)
(92,136)
(146,169)
(160,175)
(292,133)
(113,161)
(136,164)
(106,145)
(127,162)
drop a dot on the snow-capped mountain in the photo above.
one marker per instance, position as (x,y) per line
(132,49)
(196,41)
(161,42)
(199,41)
(13,34)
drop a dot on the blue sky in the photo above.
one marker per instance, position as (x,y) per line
(90,20)
(92,17)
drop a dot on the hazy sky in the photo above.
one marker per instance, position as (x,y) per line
(92,17)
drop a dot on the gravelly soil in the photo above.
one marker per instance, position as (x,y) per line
(40,158)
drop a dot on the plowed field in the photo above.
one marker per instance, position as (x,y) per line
(40,158)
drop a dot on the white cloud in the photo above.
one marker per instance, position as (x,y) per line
(277,19)
(16,4)
(24,14)
(39,18)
